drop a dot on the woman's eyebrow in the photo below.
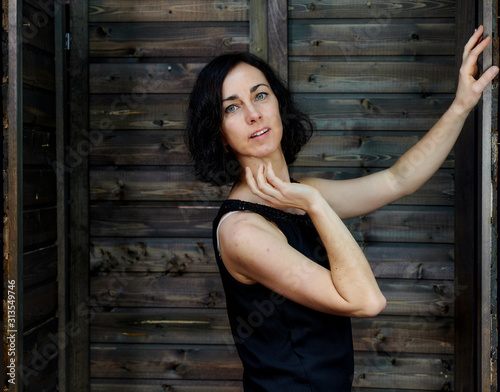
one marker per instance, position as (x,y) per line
(252,90)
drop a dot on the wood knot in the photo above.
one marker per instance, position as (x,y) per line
(420,272)
(366,104)
(311,7)
(181,369)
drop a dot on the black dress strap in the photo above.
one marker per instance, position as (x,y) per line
(267,212)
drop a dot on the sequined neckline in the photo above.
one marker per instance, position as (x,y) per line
(241,205)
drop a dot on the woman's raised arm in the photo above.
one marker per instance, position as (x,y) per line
(361,195)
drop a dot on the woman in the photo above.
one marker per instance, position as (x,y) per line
(292,272)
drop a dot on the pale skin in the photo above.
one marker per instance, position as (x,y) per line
(254,250)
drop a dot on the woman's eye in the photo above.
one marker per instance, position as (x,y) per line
(230,109)
(260,96)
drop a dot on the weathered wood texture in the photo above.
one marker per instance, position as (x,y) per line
(373,76)
(40,305)
(77,163)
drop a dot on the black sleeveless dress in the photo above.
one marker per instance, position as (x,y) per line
(284,346)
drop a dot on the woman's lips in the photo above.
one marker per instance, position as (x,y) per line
(259,133)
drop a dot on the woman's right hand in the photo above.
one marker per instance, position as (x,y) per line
(278,193)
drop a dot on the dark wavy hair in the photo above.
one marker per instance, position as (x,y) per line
(212,162)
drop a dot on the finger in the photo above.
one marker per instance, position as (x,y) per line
(485,78)
(271,176)
(265,187)
(471,59)
(473,40)
(250,180)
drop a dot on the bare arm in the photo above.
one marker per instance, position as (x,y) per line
(359,196)
(254,250)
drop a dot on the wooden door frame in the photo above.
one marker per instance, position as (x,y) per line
(475,264)
(79,145)
(13,272)
(488,334)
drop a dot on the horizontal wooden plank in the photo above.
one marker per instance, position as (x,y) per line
(139,385)
(411,261)
(38,69)
(166,256)
(365,150)
(165,326)
(178,183)
(158,361)
(323,150)
(384,112)
(39,304)
(179,256)
(424,77)
(39,266)
(388,335)
(380,11)
(392,336)
(217,363)
(394,37)
(403,373)
(410,298)
(133,221)
(141,78)
(407,75)
(160,291)
(39,187)
(39,228)
(163,40)
(141,148)
(390,224)
(137,111)
(405,224)
(367,112)
(172,11)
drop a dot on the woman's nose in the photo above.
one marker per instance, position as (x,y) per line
(253,114)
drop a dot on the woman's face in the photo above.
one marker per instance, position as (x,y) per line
(251,122)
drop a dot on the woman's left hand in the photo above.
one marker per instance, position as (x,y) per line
(469,88)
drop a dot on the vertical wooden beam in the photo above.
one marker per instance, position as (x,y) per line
(62,192)
(278,37)
(466,224)
(13,338)
(258,28)
(78,359)
(489,156)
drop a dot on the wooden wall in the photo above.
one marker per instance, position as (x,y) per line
(374,76)
(40,257)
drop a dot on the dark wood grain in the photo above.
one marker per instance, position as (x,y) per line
(171,11)
(379,11)
(397,37)
(158,39)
